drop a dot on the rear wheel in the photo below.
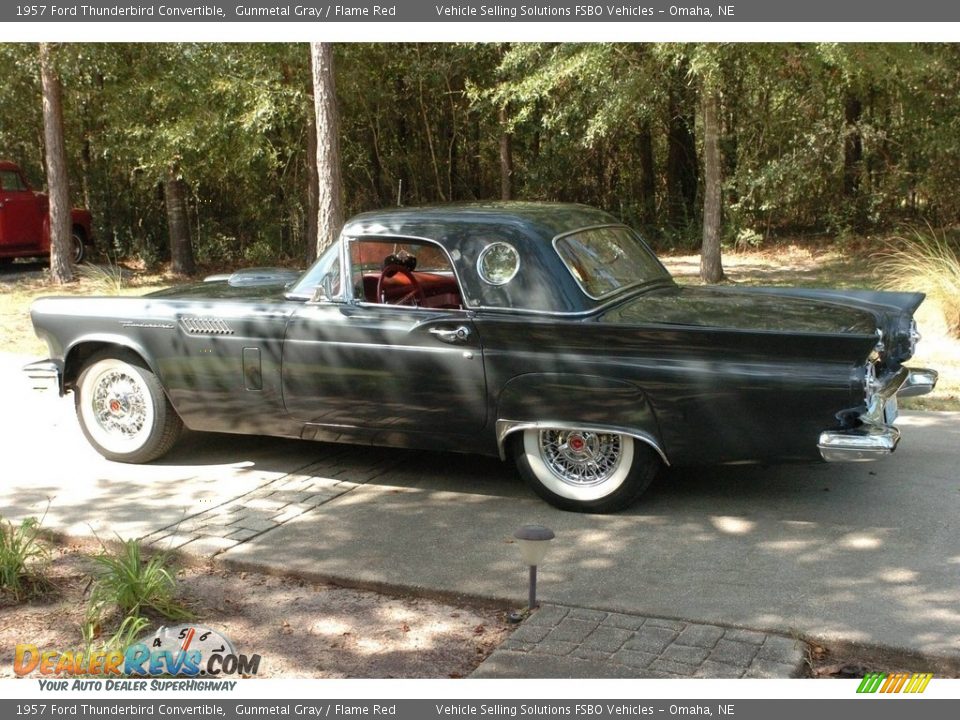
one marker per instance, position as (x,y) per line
(79,249)
(585,471)
(123,410)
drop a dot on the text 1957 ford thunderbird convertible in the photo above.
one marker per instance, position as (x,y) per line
(547,333)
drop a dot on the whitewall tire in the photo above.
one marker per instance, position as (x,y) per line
(123,410)
(585,471)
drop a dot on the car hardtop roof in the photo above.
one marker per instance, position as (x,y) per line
(541,218)
(8,165)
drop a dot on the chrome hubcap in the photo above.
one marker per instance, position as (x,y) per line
(581,458)
(119,404)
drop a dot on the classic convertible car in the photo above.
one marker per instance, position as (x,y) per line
(547,333)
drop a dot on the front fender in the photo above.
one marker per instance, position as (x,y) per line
(588,402)
(80,349)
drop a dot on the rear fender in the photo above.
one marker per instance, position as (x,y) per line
(587,402)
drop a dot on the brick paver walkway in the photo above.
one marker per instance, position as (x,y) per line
(272,504)
(558,641)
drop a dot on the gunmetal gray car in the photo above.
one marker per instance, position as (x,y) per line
(545,333)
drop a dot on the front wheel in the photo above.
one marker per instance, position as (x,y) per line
(123,410)
(585,471)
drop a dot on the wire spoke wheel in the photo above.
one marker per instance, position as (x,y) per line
(581,458)
(585,470)
(120,404)
(123,410)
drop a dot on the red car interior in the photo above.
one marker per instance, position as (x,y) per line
(439,291)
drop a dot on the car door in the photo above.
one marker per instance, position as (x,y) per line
(348,362)
(21,214)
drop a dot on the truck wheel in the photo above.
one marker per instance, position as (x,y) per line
(79,249)
(585,471)
(123,410)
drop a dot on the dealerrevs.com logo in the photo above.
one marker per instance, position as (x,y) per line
(183,651)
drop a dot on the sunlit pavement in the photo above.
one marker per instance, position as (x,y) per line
(863,554)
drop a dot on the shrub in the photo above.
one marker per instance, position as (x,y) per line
(133,585)
(929,262)
(19,547)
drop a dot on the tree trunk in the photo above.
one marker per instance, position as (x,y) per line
(313,184)
(852,145)
(178,223)
(711,269)
(61,245)
(506,158)
(682,174)
(330,183)
(647,175)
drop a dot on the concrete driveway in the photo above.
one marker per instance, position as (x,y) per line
(863,554)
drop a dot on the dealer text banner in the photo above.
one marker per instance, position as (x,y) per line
(853,709)
(470,11)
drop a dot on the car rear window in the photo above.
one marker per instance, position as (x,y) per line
(605,260)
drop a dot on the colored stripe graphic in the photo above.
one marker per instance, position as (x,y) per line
(871,682)
(895,683)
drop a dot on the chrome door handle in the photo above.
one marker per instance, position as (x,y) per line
(456,335)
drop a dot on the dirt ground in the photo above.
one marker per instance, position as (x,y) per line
(300,629)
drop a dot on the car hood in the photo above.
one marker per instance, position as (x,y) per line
(749,309)
(251,283)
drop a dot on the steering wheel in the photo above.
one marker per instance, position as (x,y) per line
(416,293)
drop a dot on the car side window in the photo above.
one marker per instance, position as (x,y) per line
(402,271)
(11,181)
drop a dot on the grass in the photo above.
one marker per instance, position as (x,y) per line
(133,584)
(21,284)
(928,262)
(132,587)
(20,552)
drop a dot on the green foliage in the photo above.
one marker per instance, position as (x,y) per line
(19,549)
(128,632)
(128,582)
(821,137)
(929,262)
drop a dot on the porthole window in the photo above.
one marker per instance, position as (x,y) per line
(498,263)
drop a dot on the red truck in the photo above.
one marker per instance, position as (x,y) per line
(25,221)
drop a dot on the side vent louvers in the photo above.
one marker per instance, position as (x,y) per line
(204,326)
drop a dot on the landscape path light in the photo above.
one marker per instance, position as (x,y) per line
(534,541)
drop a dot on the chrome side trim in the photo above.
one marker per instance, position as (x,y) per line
(920,381)
(507,427)
(45,375)
(867,442)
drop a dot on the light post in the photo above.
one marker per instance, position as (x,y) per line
(534,541)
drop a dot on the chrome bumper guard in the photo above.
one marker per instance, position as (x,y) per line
(876,437)
(45,375)
(920,381)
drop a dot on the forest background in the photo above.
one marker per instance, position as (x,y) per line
(810,139)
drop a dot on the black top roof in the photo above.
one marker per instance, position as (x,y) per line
(543,218)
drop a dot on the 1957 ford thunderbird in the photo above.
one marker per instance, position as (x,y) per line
(545,333)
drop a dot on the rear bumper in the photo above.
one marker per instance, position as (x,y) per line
(45,375)
(876,436)
(867,442)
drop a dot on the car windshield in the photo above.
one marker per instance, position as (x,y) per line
(325,269)
(605,260)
